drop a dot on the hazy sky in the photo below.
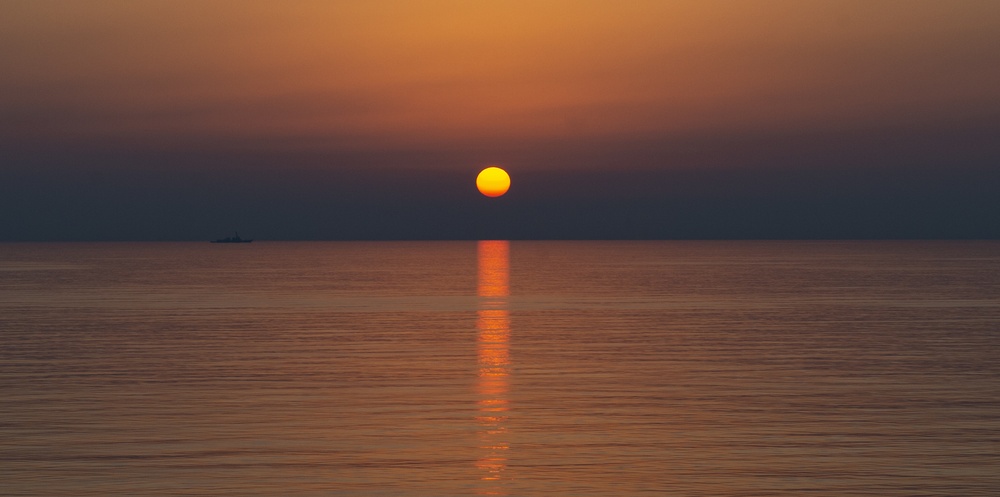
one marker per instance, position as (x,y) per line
(124,120)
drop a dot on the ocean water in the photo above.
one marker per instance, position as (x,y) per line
(500,368)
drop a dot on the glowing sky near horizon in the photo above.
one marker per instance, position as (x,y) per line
(188,119)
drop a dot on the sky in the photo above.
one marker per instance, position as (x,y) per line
(325,120)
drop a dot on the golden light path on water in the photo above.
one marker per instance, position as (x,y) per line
(492,386)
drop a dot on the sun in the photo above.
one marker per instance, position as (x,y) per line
(493,181)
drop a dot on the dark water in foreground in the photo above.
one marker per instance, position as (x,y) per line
(534,368)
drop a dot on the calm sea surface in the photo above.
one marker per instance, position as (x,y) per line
(496,368)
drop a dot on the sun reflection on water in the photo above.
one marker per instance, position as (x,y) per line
(492,386)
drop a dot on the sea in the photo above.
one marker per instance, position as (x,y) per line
(501,368)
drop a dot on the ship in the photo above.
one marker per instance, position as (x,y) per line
(232,239)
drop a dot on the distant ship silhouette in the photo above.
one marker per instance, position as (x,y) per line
(232,239)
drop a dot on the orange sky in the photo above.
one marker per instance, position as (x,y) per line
(431,74)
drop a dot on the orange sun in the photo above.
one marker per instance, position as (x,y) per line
(493,181)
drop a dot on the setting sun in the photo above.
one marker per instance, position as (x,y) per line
(493,181)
